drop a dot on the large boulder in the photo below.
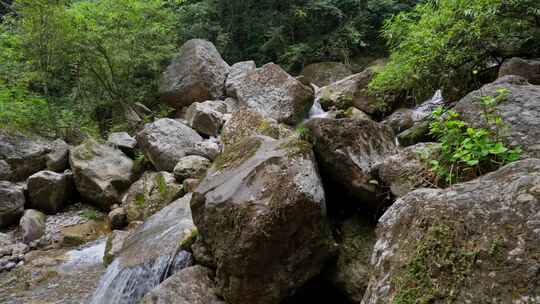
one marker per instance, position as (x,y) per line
(239,70)
(350,91)
(347,151)
(196,75)
(352,270)
(246,122)
(11,203)
(325,73)
(192,285)
(475,242)
(149,194)
(276,94)
(148,254)
(528,69)
(101,172)
(206,117)
(49,191)
(262,203)
(25,155)
(165,141)
(32,225)
(519,111)
(409,169)
(58,159)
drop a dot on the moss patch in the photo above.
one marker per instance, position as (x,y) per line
(237,153)
(438,267)
(296,147)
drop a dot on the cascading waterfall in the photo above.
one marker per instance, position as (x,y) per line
(128,285)
(149,255)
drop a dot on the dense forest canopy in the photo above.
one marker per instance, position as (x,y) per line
(61,60)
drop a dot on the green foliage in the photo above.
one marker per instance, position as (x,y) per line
(468,152)
(61,59)
(162,186)
(91,215)
(292,33)
(439,43)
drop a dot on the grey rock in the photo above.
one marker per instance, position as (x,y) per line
(114,244)
(166,141)
(274,93)
(123,141)
(519,111)
(118,218)
(207,149)
(354,113)
(528,69)
(418,133)
(237,74)
(262,203)
(246,122)
(49,191)
(11,204)
(474,242)
(101,173)
(25,155)
(32,225)
(193,285)
(192,166)
(400,120)
(196,75)
(409,169)
(206,117)
(347,151)
(149,194)
(58,159)
(202,254)
(350,91)
(325,73)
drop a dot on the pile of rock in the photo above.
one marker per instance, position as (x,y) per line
(228,203)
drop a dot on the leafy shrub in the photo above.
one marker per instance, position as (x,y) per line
(439,43)
(468,152)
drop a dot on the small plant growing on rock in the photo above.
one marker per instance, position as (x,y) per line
(468,152)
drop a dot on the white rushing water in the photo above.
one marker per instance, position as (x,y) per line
(87,256)
(317,111)
(427,107)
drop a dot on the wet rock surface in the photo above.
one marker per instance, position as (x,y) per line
(149,194)
(348,149)
(519,111)
(49,191)
(25,155)
(409,169)
(11,203)
(101,173)
(262,203)
(192,285)
(165,141)
(475,242)
(325,73)
(246,122)
(196,75)
(274,93)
